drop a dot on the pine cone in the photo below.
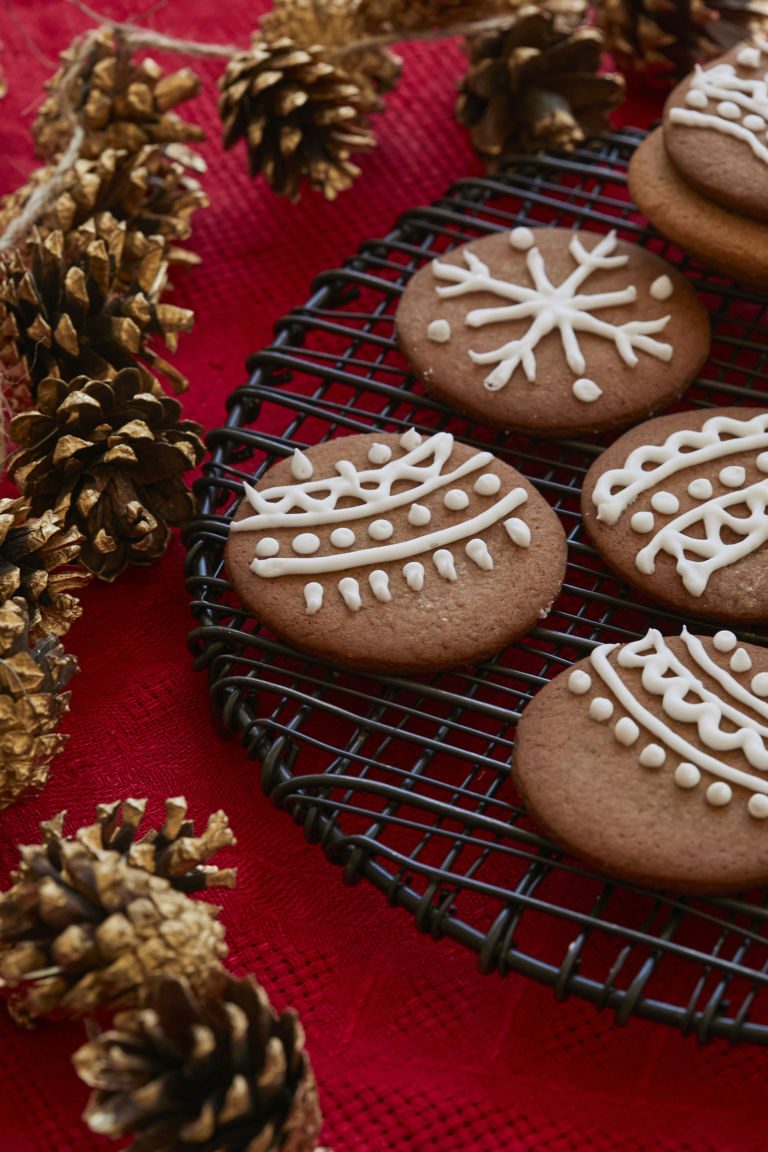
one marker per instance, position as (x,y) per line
(86,302)
(172,851)
(32,701)
(667,38)
(31,549)
(335,24)
(121,104)
(150,189)
(300,115)
(83,928)
(109,456)
(227,1075)
(532,87)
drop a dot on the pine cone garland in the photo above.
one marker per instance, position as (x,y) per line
(82,928)
(121,103)
(533,86)
(301,116)
(228,1075)
(86,301)
(110,457)
(667,38)
(32,701)
(31,550)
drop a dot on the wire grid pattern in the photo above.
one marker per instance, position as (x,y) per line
(406,782)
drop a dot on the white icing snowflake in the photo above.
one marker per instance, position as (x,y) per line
(550,306)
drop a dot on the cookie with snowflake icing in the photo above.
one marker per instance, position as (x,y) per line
(650,760)
(716,129)
(390,552)
(553,332)
(679,507)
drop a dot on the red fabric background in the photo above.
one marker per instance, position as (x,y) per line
(413,1047)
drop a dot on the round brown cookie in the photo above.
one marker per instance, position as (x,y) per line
(396,553)
(715,130)
(648,760)
(679,507)
(735,246)
(553,332)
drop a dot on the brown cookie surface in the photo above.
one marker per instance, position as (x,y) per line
(715,125)
(735,246)
(679,508)
(396,553)
(553,332)
(648,760)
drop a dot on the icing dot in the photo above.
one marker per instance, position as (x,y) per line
(724,641)
(305,543)
(652,756)
(380,454)
(662,288)
(762,462)
(379,582)
(313,597)
(754,122)
(410,440)
(601,708)
(443,561)
(757,806)
(478,553)
(518,531)
(414,575)
(759,684)
(728,110)
(719,794)
(586,390)
(267,547)
(733,476)
(665,502)
(380,530)
(522,239)
(418,515)
(350,593)
(749,57)
(487,484)
(301,466)
(687,775)
(740,661)
(439,331)
(579,682)
(696,99)
(642,522)
(700,489)
(342,537)
(456,499)
(626,731)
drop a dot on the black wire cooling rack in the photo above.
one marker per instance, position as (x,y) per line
(405,783)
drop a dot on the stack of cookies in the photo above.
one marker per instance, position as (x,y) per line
(702,177)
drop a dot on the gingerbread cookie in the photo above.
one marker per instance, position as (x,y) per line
(679,507)
(553,332)
(715,126)
(396,553)
(650,760)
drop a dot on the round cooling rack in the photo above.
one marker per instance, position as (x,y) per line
(405,783)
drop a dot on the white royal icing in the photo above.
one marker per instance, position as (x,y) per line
(351,494)
(488,484)
(579,681)
(522,238)
(551,306)
(410,440)
(662,288)
(313,597)
(380,453)
(759,684)
(741,660)
(301,465)
(694,692)
(600,708)
(642,522)
(725,641)
(439,331)
(379,582)
(696,555)
(586,390)
(720,100)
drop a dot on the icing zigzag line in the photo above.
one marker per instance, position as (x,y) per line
(724,678)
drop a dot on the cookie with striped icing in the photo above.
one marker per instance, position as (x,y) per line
(396,553)
(650,761)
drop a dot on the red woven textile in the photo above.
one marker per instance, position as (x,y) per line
(413,1048)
